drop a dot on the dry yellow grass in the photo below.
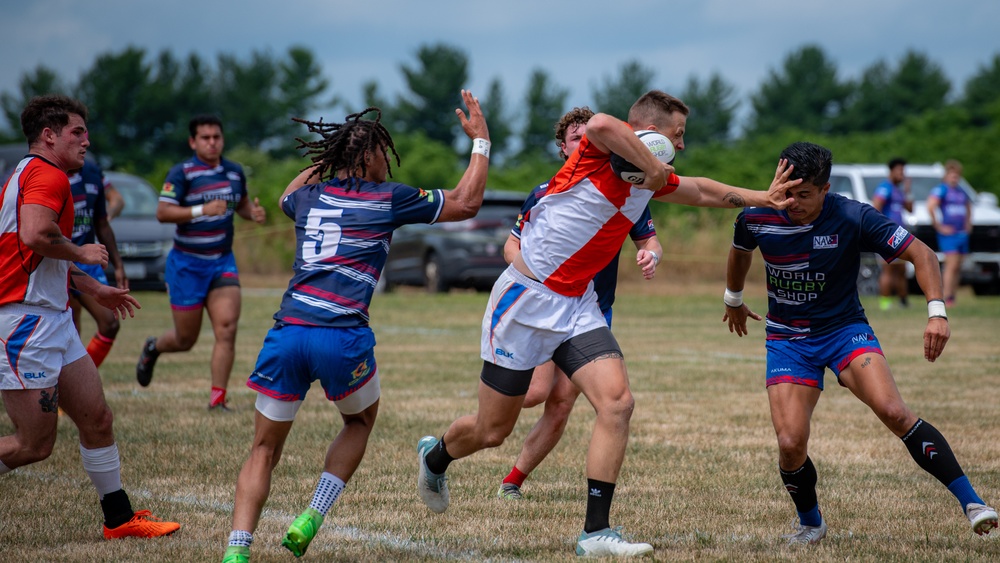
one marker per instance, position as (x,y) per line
(699,480)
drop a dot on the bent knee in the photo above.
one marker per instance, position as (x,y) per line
(109,327)
(792,446)
(620,407)
(494,438)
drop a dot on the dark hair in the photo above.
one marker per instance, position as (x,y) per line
(203,119)
(812,162)
(894,162)
(343,145)
(51,111)
(654,107)
(575,116)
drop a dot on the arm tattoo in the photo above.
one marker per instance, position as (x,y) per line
(734,199)
(73,274)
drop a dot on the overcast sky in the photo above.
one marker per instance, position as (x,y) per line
(579,43)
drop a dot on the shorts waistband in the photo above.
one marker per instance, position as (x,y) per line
(529,282)
(26,309)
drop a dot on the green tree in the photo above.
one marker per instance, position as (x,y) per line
(805,93)
(543,106)
(300,85)
(886,96)
(713,105)
(980,97)
(40,81)
(500,123)
(114,89)
(434,85)
(616,94)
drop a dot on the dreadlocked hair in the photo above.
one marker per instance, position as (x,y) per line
(342,146)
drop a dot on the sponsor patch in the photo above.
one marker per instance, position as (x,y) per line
(168,189)
(426,194)
(898,237)
(824,241)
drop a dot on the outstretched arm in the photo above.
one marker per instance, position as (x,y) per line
(928,272)
(706,192)
(465,200)
(737,311)
(114,298)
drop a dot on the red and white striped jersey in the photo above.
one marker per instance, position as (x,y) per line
(26,277)
(580,223)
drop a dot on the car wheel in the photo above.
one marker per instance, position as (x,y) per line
(433,281)
(988,288)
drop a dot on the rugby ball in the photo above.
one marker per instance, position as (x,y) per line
(657,144)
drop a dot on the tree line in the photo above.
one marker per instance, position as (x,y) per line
(140,104)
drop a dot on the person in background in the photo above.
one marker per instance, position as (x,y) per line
(891,197)
(202,195)
(91,214)
(950,208)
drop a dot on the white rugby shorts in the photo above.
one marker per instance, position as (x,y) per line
(525,321)
(37,343)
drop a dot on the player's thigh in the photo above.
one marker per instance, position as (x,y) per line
(792,406)
(870,379)
(543,380)
(33,413)
(223,306)
(187,325)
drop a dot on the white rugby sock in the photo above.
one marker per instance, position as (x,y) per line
(327,491)
(240,538)
(104,468)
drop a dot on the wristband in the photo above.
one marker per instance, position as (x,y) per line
(197,211)
(481,146)
(733,298)
(656,259)
(936,310)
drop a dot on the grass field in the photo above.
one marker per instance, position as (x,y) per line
(699,481)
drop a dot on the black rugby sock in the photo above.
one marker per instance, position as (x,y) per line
(599,495)
(438,459)
(801,486)
(932,453)
(117,509)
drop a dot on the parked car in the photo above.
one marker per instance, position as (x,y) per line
(981,268)
(465,253)
(143,242)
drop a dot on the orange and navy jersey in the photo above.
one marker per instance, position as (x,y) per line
(580,223)
(26,277)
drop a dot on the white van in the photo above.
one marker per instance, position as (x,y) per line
(981,268)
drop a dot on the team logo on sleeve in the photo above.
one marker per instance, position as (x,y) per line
(426,194)
(168,189)
(898,237)
(824,241)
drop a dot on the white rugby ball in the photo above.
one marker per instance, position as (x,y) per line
(659,145)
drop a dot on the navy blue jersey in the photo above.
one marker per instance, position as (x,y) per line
(606,280)
(89,205)
(193,182)
(812,270)
(341,241)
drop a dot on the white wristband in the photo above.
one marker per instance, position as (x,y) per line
(197,211)
(936,310)
(481,146)
(733,298)
(656,259)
